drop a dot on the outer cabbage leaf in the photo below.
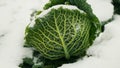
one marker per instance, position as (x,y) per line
(54,2)
(62,33)
(116,4)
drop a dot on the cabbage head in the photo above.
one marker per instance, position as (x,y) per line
(62,33)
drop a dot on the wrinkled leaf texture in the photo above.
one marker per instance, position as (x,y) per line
(62,33)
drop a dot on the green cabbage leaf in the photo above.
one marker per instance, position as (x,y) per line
(62,33)
(116,4)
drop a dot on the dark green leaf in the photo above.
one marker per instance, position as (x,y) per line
(62,33)
(116,4)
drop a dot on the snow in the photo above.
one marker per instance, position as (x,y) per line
(103,9)
(15,16)
(58,6)
(42,14)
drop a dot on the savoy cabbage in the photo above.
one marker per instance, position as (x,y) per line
(62,34)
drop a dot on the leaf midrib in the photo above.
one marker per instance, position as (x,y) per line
(67,56)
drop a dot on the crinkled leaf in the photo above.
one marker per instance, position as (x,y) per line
(62,33)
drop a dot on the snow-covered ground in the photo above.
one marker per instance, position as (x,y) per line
(15,16)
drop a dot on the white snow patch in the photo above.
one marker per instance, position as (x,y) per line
(55,7)
(103,9)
